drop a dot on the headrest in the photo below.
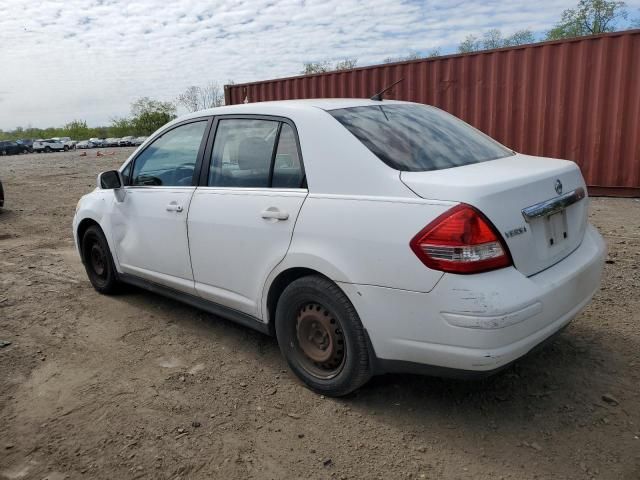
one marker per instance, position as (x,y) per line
(254,153)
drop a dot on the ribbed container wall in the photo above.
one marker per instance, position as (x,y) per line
(576,99)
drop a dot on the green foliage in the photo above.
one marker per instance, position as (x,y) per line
(588,18)
(120,127)
(494,39)
(76,129)
(147,116)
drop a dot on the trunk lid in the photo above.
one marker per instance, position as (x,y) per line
(501,189)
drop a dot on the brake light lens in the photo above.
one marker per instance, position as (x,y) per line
(461,240)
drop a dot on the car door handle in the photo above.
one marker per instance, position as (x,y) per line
(274,213)
(174,207)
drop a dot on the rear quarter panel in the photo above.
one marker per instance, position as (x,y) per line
(364,240)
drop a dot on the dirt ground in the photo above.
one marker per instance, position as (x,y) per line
(138,386)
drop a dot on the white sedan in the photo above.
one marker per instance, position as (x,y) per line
(367,236)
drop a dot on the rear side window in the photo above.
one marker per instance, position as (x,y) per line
(418,138)
(255,153)
(287,169)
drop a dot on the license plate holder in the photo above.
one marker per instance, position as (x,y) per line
(556,228)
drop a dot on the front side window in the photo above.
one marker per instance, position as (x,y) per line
(418,138)
(170,160)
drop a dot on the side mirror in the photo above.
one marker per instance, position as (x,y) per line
(110,180)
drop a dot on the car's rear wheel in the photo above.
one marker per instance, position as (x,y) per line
(321,336)
(47,149)
(98,261)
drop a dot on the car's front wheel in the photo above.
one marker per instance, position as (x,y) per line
(321,336)
(98,261)
(47,149)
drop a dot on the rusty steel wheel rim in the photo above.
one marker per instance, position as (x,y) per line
(320,341)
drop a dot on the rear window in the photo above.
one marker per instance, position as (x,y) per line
(418,138)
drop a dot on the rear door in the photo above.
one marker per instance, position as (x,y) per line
(242,215)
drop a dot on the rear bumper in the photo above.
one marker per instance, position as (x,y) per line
(478,323)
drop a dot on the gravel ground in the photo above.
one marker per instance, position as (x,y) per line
(138,386)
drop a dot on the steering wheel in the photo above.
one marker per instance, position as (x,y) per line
(181,173)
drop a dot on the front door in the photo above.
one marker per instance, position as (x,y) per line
(241,221)
(149,221)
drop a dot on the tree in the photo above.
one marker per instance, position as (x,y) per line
(521,37)
(190,99)
(120,127)
(492,39)
(434,52)
(588,18)
(315,67)
(211,95)
(346,64)
(200,98)
(406,58)
(325,66)
(469,44)
(77,129)
(148,115)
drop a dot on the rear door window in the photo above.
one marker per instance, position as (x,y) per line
(242,153)
(418,138)
(255,153)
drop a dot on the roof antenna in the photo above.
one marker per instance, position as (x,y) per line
(378,96)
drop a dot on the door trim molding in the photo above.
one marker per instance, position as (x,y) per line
(197,302)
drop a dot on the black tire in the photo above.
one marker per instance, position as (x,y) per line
(47,149)
(98,261)
(301,303)
(66,148)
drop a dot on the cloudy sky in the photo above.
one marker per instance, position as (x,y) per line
(89,59)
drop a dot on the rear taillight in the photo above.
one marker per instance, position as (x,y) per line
(461,240)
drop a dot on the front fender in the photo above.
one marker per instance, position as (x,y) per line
(96,206)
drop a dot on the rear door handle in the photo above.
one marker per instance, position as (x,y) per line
(174,207)
(274,213)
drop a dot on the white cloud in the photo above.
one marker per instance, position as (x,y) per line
(89,59)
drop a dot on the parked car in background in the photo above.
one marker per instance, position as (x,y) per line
(126,141)
(10,148)
(138,141)
(66,142)
(48,145)
(26,144)
(369,236)
(84,144)
(97,142)
(111,142)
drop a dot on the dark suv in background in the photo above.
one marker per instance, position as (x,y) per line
(26,144)
(10,148)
